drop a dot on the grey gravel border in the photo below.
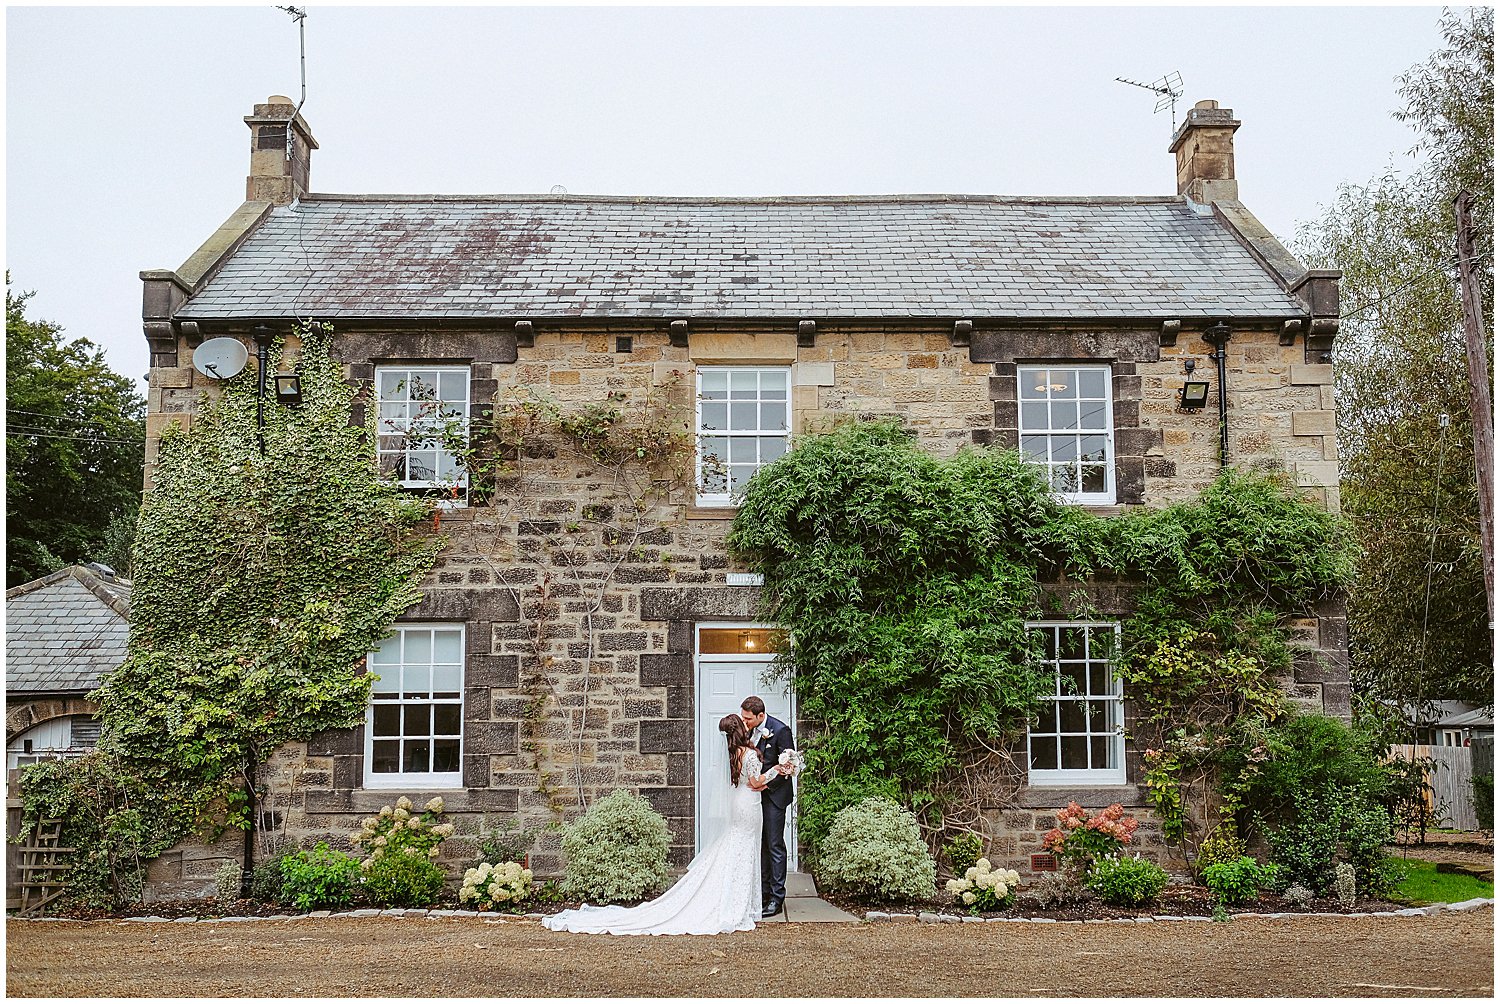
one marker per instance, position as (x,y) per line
(876,916)
(872,916)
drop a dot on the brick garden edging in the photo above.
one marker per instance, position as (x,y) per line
(875,916)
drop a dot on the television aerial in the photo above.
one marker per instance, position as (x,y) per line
(1167,90)
(220,358)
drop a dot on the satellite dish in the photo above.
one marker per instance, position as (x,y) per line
(220,358)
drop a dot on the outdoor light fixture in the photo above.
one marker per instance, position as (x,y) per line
(288,388)
(747,641)
(1194,395)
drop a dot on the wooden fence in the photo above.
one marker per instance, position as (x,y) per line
(1451,789)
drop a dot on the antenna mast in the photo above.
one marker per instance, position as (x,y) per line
(1167,90)
(299,14)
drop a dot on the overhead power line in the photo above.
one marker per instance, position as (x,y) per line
(11,430)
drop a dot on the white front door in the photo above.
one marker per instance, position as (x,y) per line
(724,680)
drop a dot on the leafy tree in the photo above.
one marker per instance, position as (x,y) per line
(1408,482)
(74,435)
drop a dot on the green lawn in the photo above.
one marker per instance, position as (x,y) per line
(1425,884)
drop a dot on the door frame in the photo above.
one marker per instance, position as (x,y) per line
(698,660)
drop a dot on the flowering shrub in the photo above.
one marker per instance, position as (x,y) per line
(984,887)
(1122,881)
(874,850)
(318,879)
(399,869)
(1081,840)
(496,887)
(615,851)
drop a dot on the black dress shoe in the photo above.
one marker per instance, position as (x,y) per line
(772,908)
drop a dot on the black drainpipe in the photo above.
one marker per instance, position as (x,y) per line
(1218,336)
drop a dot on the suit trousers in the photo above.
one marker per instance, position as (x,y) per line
(772,852)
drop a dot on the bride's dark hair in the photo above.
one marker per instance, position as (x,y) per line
(738,738)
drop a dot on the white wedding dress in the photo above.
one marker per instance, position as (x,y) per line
(720,891)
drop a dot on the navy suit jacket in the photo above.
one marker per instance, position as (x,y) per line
(779,791)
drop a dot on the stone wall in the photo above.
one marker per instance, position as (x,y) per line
(628,721)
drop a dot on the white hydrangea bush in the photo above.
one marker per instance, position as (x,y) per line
(496,887)
(985,887)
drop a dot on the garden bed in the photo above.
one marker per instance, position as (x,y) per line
(1182,901)
(211,907)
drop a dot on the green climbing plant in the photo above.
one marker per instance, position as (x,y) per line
(262,580)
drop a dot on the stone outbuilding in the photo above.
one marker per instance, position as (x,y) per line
(1101,335)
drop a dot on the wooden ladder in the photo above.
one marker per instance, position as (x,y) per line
(42,866)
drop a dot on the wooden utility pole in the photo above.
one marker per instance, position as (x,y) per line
(1479,390)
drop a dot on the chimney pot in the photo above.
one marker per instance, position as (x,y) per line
(278,172)
(1204,145)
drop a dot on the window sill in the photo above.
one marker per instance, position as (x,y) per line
(1090,796)
(407,783)
(711,512)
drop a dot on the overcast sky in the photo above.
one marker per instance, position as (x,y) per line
(126,145)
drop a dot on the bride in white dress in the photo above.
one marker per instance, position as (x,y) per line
(720,891)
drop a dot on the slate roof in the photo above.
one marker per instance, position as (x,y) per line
(64,631)
(503,257)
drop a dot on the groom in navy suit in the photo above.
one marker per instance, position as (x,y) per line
(771,737)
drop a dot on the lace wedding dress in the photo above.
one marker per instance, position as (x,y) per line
(719,893)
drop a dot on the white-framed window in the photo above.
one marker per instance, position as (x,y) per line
(414,728)
(1067,427)
(1453,737)
(424,418)
(744,414)
(1079,737)
(54,739)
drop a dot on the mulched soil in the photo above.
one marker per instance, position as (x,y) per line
(1447,955)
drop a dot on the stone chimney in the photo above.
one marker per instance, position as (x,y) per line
(275,177)
(1204,146)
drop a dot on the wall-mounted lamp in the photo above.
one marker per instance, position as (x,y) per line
(288,388)
(747,641)
(1194,395)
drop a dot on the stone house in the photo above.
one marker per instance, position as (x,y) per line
(1083,330)
(63,633)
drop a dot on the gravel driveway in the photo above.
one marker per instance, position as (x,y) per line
(1445,955)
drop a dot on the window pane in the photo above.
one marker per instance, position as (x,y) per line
(1093,479)
(393,385)
(713,447)
(446,680)
(715,479)
(445,756)
(1070,678)
(1099,753)
(1070,643)
(1035,446)
(1049,644)
(393,465)
(715,416)
(418,647)
(1033,384)
(393,412)
(1091,383)
(1047,718)
(715,384)
(450,468)
(423,385)
(1099,679)
(416,719)
(1065,479)
(742,384)
(1075,753)
(389,652)
(739,477)
(446,719)
(1034,415)
(1091,447)
(447,646)
(1070,716)
(772,448)
(387,720)
(742,416)
(1064,415)
(1064,448)
(1091,415)
(388,683)
(421,466)
(773,416)
(454,386)
(416,756)
(386,758)
(773,384)
(416,681)
(741,450)
(1043,753)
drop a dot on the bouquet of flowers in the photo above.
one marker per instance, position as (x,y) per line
(795,759)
